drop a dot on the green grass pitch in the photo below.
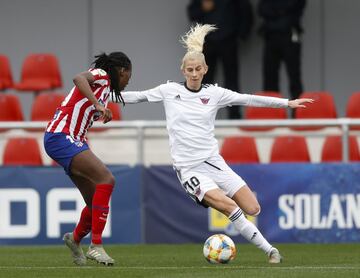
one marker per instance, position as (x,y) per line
(185,260)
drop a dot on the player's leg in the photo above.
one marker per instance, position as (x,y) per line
(83,227)
(234,188)
(211,54)
(230,61)
(78,161)
(271,65)
(216,199)
(89,167)
(87,190)
(292,59)
(246,201)
(219,201)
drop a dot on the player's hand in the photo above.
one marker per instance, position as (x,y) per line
(299,103)
(107,117)
(106,114)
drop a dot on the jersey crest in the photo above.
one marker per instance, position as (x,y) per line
(204,100)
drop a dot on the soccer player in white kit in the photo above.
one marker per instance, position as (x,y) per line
(190,109)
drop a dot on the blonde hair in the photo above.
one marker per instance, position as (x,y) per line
(193,41)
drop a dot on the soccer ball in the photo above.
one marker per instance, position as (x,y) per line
(219,249)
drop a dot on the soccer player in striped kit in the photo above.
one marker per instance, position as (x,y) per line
(190,109)
(65,142)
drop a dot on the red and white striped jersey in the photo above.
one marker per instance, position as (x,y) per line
(76,113)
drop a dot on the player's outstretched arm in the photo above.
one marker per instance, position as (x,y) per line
(300,103)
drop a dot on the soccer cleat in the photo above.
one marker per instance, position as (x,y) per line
(75,248)
(98,254)
(274,256)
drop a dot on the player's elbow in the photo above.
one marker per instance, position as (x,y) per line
(78,78)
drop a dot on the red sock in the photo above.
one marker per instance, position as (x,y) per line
(100,210)
(84,225)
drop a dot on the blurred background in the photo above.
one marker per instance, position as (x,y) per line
(149,32)
(305,200)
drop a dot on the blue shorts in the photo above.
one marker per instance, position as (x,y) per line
(62,148)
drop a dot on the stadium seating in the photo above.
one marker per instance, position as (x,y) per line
(239,149)
(353,108)
(332,149)
(323,107)
(6,80)
(44,106)
(39,72)
(10,108)
(22,151)
(289,149)
(115,109)
(258,113)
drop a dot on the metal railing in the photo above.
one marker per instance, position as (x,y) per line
(343,124)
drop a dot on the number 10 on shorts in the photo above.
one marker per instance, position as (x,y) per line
(192,186)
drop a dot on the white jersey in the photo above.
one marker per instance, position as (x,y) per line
(190,116)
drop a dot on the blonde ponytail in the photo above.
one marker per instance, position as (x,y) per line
(194,40)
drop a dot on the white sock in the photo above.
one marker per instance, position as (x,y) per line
(249,231)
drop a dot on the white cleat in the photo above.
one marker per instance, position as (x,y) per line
(274,256)
(98,254)
(75,248)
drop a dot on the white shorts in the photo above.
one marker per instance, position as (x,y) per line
(210,174)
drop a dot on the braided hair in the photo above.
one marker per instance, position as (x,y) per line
(111,63)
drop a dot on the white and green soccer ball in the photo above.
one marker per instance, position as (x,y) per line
(219,249)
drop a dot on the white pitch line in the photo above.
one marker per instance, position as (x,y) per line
(187,267)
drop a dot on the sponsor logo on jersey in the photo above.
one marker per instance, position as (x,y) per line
(178,97)
(205,100)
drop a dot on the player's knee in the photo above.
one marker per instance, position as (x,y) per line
(226,206)
(254,210)
(111,179)
(107,178)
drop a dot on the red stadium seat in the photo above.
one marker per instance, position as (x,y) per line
(261,113)
(332,149)
(44,106)
(10,109)
(115,109)
(6,80)
(289,149)
(22,151)
(353,108)
(40,72)
(322,108)
(239,149)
